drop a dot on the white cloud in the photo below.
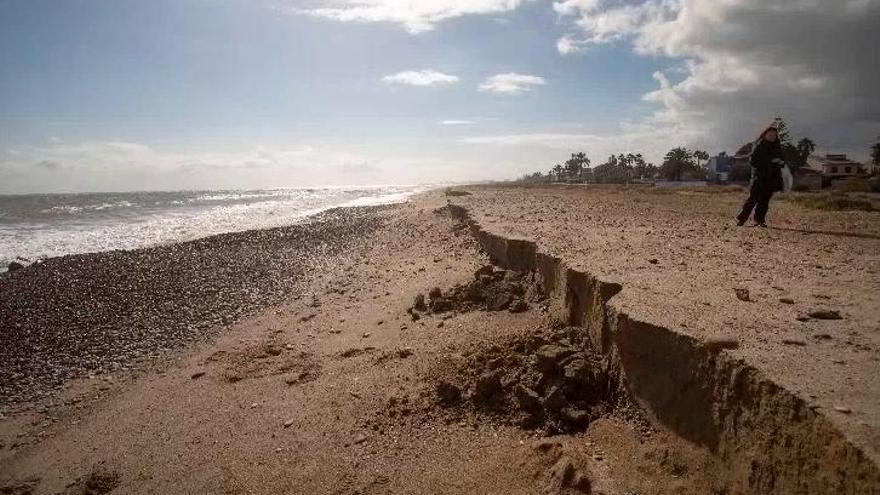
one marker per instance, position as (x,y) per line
(746,61)
(421,78)
(456,122)
(511,83)
(568,44)
(116,165)
(414,16)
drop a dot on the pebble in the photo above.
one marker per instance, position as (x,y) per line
(793,341)
(842,409)
(197,374)
(288,423)
(172,294)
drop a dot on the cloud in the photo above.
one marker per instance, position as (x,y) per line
(740,63)
(456,122)
(421,78)
(511,83)
(117,165)
(568,44)
(415,16)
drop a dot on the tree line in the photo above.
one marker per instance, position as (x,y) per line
(679,164)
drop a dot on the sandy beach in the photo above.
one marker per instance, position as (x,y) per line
(563,339)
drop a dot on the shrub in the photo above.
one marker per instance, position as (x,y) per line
(455,192)
(835,202)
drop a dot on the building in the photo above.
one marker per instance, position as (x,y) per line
(835,166)
(719,167)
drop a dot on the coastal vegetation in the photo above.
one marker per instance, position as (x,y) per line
(679,164)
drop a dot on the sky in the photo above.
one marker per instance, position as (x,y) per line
(118,95)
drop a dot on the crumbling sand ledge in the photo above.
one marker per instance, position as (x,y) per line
(770,439)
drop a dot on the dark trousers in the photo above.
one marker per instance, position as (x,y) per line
(759,200)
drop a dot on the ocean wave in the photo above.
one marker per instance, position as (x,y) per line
(172,221)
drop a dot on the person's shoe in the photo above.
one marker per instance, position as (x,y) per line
(740,222)
(761,224)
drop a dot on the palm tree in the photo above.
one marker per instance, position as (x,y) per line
(576,165)
(806,147)
(700,155)
(676,163)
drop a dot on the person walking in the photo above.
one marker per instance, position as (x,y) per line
(766,161)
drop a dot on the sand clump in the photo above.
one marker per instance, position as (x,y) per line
(492,289)
(547,380)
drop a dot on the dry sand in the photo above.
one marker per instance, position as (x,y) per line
(334,389)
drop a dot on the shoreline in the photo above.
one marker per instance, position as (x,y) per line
(82,314)
(561,358)
(191,228)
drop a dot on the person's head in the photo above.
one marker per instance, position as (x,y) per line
(770,135)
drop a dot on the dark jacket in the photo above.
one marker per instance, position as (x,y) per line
(768,175)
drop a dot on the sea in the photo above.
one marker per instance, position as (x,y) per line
(39,226)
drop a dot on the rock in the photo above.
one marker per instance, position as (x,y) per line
(793,341)
(197,374)
(488,386)
(577,371)
(843,409)
(742,294)
(786,300)
(518,306)
(359,438)
(498,301)
(13,266)
(419,303)
(528,399)
(435,293)
(440,305)
(288,423)
(548,356)
(653,261)
(719,343)
(802,318)
(826,314)
(574,416)
(555,399)
(483,270)
(447,393)
(404,353)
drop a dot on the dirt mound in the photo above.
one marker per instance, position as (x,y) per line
(492,289)
(547,380)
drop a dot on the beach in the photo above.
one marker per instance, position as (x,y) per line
(553,339)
